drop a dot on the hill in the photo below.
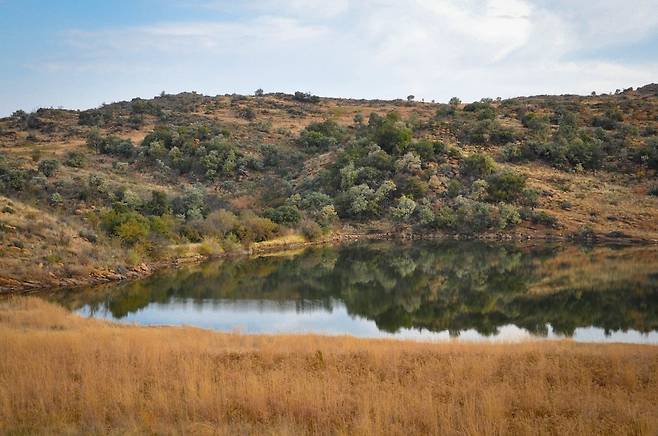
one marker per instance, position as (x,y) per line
(125,188)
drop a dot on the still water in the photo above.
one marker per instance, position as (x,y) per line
(420,290)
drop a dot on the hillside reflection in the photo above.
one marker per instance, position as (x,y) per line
(437,286)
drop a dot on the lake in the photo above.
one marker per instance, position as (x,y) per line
(422,290)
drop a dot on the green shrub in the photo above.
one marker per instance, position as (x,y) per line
(158,204)
(508,216)
(55,199)
(48,167)
(389,132)
(75,159)
(506,186)
(306,97)
(454,188)
(477,166)
(286,215)
(404,209)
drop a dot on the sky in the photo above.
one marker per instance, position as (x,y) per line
(82,53)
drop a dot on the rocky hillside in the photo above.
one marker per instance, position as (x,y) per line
(119,190)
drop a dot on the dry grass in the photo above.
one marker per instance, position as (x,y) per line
(63,374)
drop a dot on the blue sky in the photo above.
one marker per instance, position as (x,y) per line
(79,54)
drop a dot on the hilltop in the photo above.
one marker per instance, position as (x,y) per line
(125,188)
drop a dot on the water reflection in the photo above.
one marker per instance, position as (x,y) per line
(419,290)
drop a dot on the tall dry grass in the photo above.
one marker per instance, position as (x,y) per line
(63,374)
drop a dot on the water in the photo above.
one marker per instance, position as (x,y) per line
(421,290)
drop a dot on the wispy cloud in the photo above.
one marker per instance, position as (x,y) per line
(378,48)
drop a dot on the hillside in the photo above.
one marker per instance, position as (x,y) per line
(120,190)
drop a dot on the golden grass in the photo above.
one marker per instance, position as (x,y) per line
(63,374)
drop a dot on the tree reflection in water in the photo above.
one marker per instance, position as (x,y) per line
(438,286)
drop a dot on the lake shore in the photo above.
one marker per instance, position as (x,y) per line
(294,242)
(60,373)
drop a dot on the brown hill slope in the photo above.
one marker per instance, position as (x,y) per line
(77,202)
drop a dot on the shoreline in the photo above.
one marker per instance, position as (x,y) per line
(145,269)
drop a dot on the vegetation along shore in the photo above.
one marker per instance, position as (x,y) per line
(130,187)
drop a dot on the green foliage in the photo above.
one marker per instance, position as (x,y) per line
(48,167)
(649,153)
(477,165)
(287,215)
(321,136)
(111,145)
(359,201)
(129,226)
(506,186)
(404,209)
(389,132)
(455,188)
(55,199)
(75,159)
(158,205)
(539,217)
(191,204)
(306,97)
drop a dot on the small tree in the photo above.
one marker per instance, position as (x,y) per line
(410,98)
(455,101)
(403,211)
(259,92)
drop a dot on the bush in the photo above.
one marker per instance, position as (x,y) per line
(48,167)
(158,204)
(210,247)
(55,199)
(306,97)
(477,166)
(75,159)
(321,136)
(310,229)
(508,216)
(129,226)
(475,216)
(404,209)
(455,188)
(286,215)
(255,229)
(541,217)
(506,186)
(389,132)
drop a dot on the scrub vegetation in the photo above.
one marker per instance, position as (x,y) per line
(119,190)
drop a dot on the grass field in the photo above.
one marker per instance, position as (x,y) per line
(61,374)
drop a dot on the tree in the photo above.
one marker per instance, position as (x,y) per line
(259,92)
(389,132)
(410,98)
(454,101)
(286,215)
(403,211)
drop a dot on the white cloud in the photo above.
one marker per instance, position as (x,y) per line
(383,48)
